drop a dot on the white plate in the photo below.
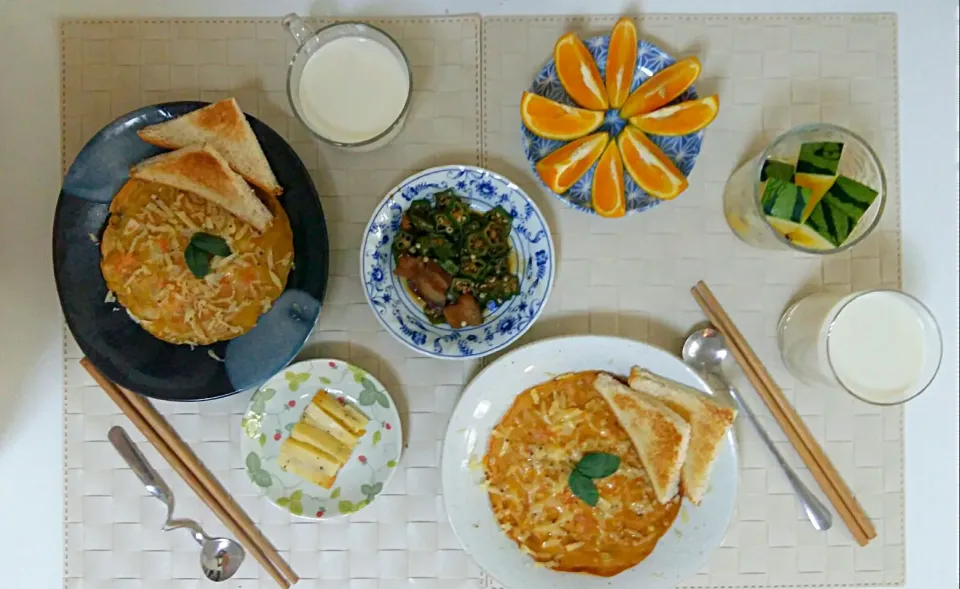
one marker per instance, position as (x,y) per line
(681,552)
(278,405)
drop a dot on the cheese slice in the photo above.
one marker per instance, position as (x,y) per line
(316,417)
(317,438)
(308,462)
(346,415)
(305,473)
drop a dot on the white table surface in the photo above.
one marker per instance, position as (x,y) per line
(31,439)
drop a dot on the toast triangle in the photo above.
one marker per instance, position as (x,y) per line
(708,419)
(224,126)
(200,169)
(659,435)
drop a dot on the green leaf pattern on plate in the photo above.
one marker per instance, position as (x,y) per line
(347,507)
(359,374)
(255,471)
(295,379)
(371,395)
(259,403)
(251,425)
(377,437)
(293,503)
(371,491)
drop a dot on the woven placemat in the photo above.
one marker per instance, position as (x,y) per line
(632,277)
(628,277)
(113,535)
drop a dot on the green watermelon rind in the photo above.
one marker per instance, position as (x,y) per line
(823,222)
(784,200)
(840,209)
(852,196)
(776,169)
(821,158)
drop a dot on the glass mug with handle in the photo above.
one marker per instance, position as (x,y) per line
(882,346)
(349,83)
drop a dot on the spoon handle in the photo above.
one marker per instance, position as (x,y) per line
(818,515)
(196,532)
(152,480)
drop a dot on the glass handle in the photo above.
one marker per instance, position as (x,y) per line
(298,29)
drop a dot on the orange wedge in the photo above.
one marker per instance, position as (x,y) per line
(562,168)
(578,73)
(606,194)
(648,166)
(679,119)
(621,61)
(663,87)
(552,120)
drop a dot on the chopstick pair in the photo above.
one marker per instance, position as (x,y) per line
(173,449)
(800,437)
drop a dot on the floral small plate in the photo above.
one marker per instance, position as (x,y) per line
(682,150)
(278,405)
(502,325)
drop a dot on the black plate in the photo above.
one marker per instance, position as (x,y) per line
(122,350)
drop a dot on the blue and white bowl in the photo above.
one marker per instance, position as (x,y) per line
(682,150)
(503,324)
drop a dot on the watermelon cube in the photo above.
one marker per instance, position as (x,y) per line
(822,158)
(840,209)
(776,169)
(784,200)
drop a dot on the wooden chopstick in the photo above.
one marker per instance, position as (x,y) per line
(786,416)
(157,431)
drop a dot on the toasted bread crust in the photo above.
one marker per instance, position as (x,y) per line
(709,421)
(659,435)
(200,169)
(223,125)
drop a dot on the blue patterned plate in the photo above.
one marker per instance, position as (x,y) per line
(530,239)
(125,352)
(681,150)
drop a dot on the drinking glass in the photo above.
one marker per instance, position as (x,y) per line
(742,194)
(832,339)
(310,42)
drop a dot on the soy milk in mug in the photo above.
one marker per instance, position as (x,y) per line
(349,84)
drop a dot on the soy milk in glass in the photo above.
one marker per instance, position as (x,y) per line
(882,346)
(349,83)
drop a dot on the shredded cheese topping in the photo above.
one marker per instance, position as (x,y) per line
(143,264)
(531,454)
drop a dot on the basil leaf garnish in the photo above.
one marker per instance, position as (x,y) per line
(583,487)
(597,465)
(200,251)
(211,244)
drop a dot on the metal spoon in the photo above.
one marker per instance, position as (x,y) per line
(220,558)
(704,351)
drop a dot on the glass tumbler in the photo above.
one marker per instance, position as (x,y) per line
(310,42)
(743,191)
(882,346)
